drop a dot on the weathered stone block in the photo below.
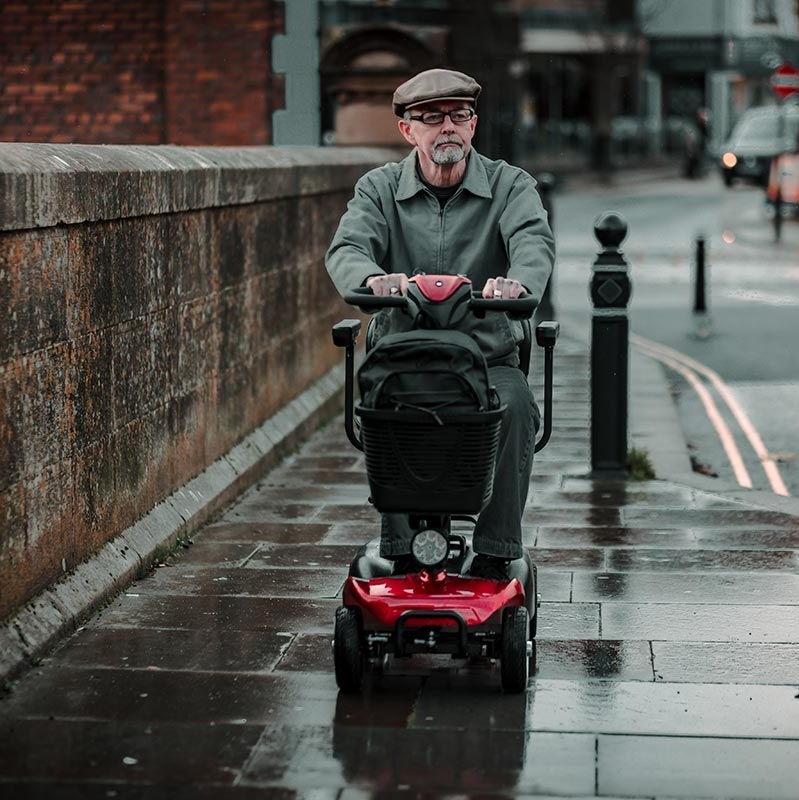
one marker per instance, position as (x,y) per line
(236,326)
(90,386)
(145,358)
(48,391)
(33,288)
(198,343)
(95,473)
(229,253)
(188,255)
(12,461)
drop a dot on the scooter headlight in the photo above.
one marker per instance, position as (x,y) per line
(429,547)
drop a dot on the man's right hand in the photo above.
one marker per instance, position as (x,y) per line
(386,285)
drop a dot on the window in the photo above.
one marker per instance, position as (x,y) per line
(765,13)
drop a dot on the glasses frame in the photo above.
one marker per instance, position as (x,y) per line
(444,114)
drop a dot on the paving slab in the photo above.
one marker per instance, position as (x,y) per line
(697,767)
(722,662)
(672,709)
(700,623)
(664,587)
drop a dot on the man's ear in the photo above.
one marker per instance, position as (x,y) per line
(406,131)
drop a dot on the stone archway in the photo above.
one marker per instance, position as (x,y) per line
(360,69)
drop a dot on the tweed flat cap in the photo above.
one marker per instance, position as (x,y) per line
(435,84)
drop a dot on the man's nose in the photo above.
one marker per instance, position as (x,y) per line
(447,125)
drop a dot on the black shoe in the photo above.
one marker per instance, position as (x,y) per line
(405,565)
(489,567)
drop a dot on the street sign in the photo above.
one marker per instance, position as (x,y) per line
(785,81)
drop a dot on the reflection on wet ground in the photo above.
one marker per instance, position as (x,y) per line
(668,640)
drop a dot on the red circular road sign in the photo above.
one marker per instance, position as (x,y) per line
(785,80)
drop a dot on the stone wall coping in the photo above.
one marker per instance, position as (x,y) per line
(42,185)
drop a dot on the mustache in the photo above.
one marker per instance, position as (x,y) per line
(453,138)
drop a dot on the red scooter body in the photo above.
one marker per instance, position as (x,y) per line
(383,600)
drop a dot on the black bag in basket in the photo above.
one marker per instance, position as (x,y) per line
(430,423)
(424,370)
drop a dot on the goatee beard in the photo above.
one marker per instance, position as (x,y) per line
(448,155)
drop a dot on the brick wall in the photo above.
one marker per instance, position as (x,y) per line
(139,71)
(155,307)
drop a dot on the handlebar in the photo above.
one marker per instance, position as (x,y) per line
(366,300)
(520,308)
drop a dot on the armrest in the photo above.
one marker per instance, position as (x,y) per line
(345,333)
(546,333)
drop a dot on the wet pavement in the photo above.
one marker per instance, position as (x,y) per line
(668,655)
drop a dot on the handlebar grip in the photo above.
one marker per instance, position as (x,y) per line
(521,308)
(364,299)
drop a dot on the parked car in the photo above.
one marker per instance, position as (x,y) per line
(760,134)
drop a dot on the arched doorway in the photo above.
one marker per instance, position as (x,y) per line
(360,69)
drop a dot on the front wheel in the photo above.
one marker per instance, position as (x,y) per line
(514,660)
(349,656)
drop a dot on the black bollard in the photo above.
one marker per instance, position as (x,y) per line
(546,190)
(703,324)
(610,292)
(700,307)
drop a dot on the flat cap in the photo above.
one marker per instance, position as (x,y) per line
(435,84)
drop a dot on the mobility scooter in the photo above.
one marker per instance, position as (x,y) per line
(429,427)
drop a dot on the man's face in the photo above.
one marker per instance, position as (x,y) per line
(445,143)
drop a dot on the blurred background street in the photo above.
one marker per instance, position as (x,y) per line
(752,298)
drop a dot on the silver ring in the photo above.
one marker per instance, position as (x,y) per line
(393,290)
(497,293)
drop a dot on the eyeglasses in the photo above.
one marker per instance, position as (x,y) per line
(458,116)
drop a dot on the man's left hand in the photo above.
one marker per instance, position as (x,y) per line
(500,288)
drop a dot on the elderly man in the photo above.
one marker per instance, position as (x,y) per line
(445,209)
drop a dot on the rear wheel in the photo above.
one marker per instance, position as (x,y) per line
(534,604)
(514,661)
(349,656)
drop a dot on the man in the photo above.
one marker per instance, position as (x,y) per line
(445,209)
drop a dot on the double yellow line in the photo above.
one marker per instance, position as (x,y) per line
(690,369)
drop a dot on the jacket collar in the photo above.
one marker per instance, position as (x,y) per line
(475,179)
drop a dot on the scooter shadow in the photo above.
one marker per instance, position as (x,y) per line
(460,734)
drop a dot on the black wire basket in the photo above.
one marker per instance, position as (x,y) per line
(430,462)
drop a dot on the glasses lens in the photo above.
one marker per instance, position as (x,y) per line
(437,117)
(461,115)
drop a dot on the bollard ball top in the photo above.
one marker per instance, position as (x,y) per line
(610,229)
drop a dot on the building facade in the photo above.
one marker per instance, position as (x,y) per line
(580,63)
(140,71)
(717,55)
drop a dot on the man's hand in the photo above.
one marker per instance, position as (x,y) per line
(385,285)
(502,289)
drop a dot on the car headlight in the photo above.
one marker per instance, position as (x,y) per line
(430,547)
(729,160)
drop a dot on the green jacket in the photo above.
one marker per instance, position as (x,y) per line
(493,225)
